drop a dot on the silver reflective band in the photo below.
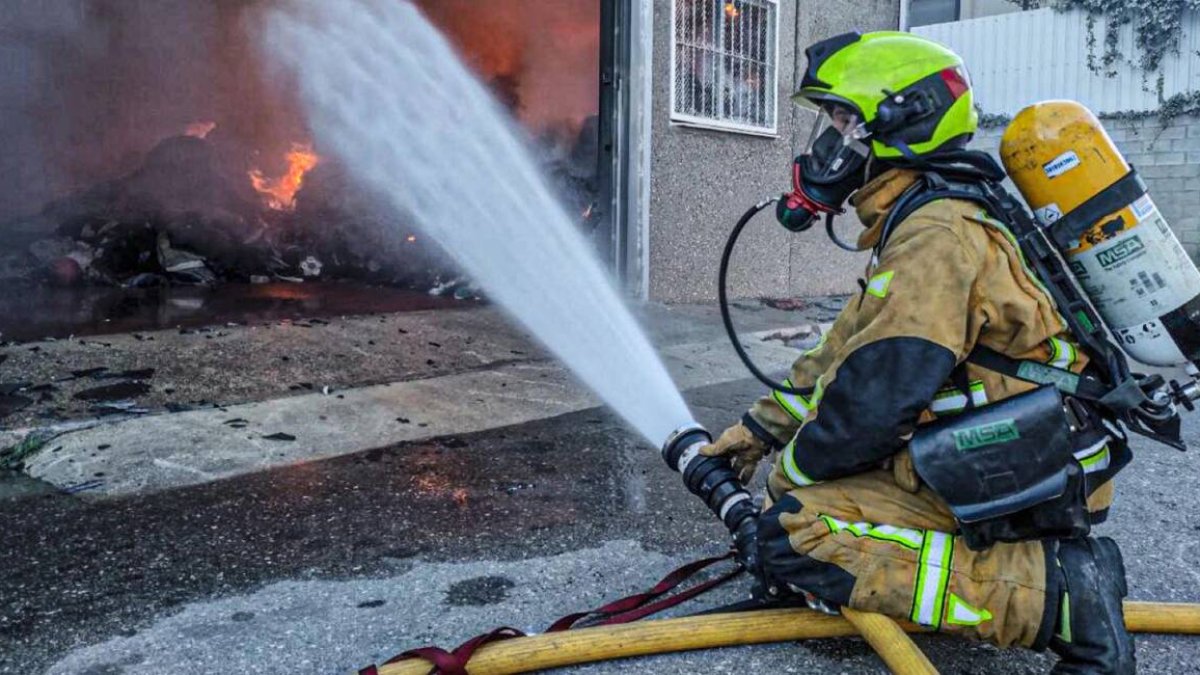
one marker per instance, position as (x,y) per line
(791,469)
(688,455)
(953,400)
(1095,457)
(933,578)
(738,497)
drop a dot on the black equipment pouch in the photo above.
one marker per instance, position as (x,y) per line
(1006,470)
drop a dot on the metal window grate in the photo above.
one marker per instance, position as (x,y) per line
(725,64)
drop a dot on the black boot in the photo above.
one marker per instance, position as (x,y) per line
(1090,637)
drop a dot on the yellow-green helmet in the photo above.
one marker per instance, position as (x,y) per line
(913,94)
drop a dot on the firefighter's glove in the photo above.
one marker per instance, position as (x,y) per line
(743,449)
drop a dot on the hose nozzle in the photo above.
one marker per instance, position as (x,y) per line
(713,480)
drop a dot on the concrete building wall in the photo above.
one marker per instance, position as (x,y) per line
(1168,157)
(703,180)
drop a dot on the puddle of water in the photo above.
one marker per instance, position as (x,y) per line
(37,312)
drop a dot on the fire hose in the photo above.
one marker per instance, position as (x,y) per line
(664,636)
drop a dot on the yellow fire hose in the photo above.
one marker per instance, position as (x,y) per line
(887,637)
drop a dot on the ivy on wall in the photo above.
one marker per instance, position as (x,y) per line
(1186,103)
(1157,28)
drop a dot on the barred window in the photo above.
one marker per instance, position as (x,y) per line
(724,66)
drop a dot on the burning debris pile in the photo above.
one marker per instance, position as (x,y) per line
(97,126)
(189,216)
(186,217)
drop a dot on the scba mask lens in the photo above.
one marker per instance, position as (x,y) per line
(836,154)
(832,167)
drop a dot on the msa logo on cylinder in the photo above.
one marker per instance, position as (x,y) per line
(1001,431)
(1120,252)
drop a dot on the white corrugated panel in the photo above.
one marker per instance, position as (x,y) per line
(1023,57)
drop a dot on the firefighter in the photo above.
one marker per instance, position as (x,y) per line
(847,521)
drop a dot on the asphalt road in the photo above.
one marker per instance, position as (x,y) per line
(329,566)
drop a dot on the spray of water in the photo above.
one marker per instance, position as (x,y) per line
(387,95)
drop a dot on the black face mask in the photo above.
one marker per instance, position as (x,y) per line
(823,177)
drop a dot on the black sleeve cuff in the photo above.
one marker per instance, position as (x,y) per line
(760,433)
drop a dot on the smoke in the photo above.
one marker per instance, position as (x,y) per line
(87,87)
(91,85)
(548,51)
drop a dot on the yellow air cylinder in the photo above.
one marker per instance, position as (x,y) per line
(1117,244)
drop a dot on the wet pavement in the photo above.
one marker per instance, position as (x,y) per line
(219,365)
(37,312)
(326,566)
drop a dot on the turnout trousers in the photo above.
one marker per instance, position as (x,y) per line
(865,542)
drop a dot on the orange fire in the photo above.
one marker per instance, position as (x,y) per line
(280,193)
(199,129)
(731,10)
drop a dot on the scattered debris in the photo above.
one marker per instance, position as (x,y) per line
(82,487)
(460,288)
(280,436)
(119,408)
(832,303)
(87,372)
(786,304)
(140,374)
(311,267)
(11,401)
(800,337)
(113,392)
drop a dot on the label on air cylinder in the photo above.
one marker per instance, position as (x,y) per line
(1048,214)
(1135,270)
(1150,343)
(1061,164)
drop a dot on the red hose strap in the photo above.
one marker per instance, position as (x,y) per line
(628,604)
(625,610)
(668,603)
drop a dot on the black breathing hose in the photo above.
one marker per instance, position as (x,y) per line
(723,301)
(834,238)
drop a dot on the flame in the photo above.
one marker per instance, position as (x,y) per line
(199,129)
(280,193)
(731,10)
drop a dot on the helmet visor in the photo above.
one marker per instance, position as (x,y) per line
(837,146)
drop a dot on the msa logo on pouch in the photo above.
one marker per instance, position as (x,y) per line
(991,433)
(1061,164)
(1121,252)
